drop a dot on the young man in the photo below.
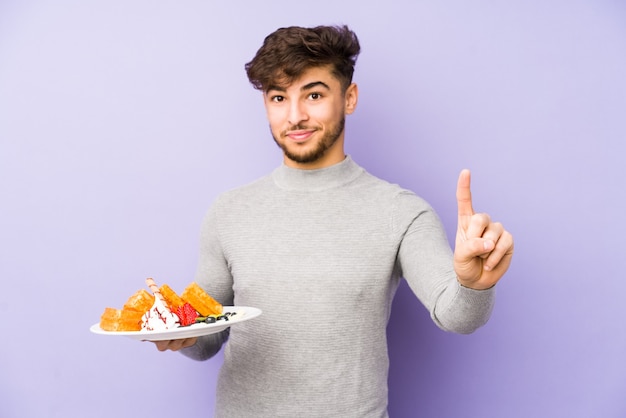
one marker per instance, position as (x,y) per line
(320,246)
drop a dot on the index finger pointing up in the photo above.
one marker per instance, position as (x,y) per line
(464,194)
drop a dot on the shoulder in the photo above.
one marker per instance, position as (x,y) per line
(247,192)
(392,193)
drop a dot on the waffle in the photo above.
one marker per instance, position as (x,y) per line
(171,298)
(121,320)
(129,317)
(201,300)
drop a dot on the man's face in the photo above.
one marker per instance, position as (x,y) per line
(307,118)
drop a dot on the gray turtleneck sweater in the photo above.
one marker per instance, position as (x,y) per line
(321,252)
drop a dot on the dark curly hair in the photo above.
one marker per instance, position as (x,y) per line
(288,52)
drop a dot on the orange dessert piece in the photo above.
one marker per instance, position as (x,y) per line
(201,300)
(171,298)
(129,317)
(121,320)
(141,301)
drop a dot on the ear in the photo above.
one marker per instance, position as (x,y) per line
(352,97)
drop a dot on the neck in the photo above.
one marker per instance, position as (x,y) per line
(290,178)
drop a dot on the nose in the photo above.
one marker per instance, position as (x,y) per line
(297,112)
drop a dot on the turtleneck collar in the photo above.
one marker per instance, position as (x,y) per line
(319,179)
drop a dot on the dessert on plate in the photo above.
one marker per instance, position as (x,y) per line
(162,310)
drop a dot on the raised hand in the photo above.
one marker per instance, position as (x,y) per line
(483,248)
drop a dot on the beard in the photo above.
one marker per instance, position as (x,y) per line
(319,149)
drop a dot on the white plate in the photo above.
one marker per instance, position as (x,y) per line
(196,330)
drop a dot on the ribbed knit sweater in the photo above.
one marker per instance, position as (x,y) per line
(321,253)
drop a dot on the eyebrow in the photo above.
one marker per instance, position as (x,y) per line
(306,87)
(315,84)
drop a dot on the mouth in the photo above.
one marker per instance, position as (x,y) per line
(300,135)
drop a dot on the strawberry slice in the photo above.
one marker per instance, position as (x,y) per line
(187,314)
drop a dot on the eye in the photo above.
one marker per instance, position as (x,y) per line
(277,99)
(315,96)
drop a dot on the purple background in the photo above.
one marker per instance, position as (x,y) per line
(120,121)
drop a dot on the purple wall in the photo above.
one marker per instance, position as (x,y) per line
(121,121)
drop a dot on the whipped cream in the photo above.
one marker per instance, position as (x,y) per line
(159,317)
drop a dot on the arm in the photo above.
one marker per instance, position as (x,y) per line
(214,276)
(458,290)
(205,347)
(426,262)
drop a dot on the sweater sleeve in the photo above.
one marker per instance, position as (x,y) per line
(214,276)
(206,347)
(426,262)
